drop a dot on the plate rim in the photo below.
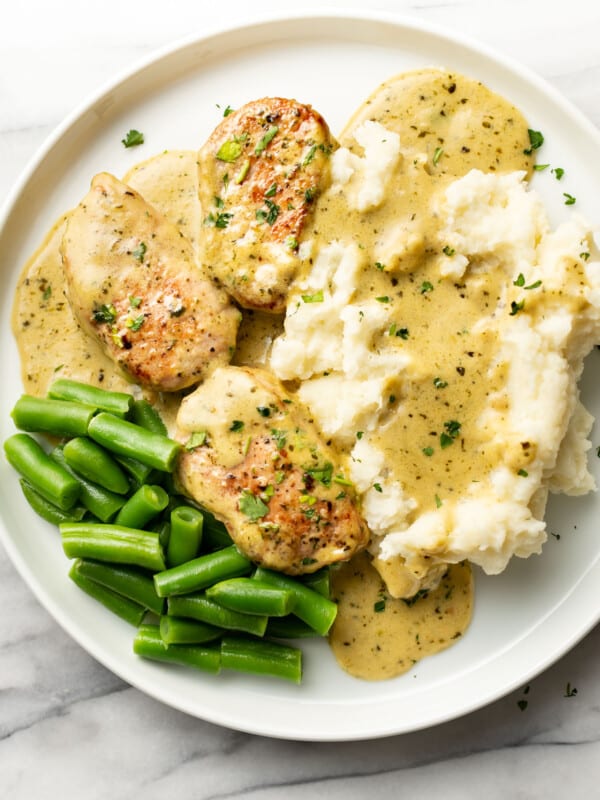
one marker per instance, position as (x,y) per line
(401,23)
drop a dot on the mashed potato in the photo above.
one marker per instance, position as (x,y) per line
(531,298)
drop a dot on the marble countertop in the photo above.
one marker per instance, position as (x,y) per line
(69,728)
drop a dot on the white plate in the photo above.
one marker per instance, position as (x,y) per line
(524,619)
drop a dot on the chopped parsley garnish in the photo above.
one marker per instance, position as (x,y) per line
(135,324)
(523,473)
(522,704)
(220,220)
(570,691)
(520,281)
(439,383)
(342,481)
(243,172)
(426,286)
(262,144)
(377,487)
(264,411)
(197,439)
(269,216)
(135,302)
(379,606)
(133,138)
(228,110)
(317,297)
(403,333)
(438,502)
(383,299)
(236,425)
(516,307)
(230,150)
(307,561)
(437,154)
(140,251)
(291,243)
(379,266)
(252,506)
(448,251)
(218,201)
(428,451)
(534,285)
(558,172)
(271,190)
(540,167)
(323,474)
(359,434)
(280,438)
(105,313)
(536,140)
(47,293)
(570,200)
(309,156)
(309,195)
(451,433)
(584,256)
(420,595)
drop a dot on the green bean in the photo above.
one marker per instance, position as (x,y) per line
(146,416)
(122,606)
(141,473)
(198,606)
(317,611)
(127,581)
(186,535)
(289,628)
(149,644)
(47,477)
(142,506)
(261,657)
(127,439)
(98,501)
(252,597)
(118,403)
(201,572)
(319,581)
(214,535)
(56,417)
(112,543)
(93,462)
(177,630)
(47,510)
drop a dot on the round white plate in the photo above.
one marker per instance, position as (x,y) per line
(524,619)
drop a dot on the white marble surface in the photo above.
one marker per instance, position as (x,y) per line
(71,729)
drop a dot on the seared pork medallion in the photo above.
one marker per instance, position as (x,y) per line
(134,285)
(260,173)
(254,458)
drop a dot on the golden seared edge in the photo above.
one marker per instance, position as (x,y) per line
(261,171)
(254,458)
(134,285)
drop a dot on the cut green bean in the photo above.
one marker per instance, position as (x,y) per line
(127,581)
(118,403)
(93,462)
(141,473)
(317,611)
(177,630)
(252,597)
(289,628)
(199,607)
(98,501)
(47,510)
(47,477)
(261,657)
(112,543)
(186,535)
(127,439)
(319,581)
(201,572)
(214,533)
(142,507)
(56,417)
(122,606)
(148,643)
(145,415)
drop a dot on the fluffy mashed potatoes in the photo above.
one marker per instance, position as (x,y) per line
(440,349)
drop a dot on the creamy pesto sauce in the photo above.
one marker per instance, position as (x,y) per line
(448,125)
